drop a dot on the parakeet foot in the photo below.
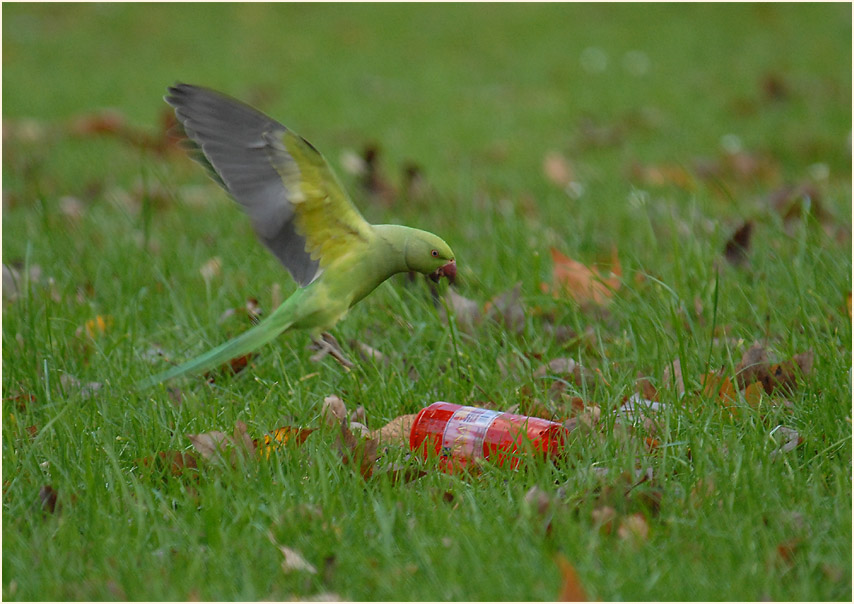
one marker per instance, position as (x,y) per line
(327,344)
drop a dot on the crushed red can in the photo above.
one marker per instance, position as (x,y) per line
(460,434)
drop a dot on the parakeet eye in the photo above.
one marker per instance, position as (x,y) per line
(435,253)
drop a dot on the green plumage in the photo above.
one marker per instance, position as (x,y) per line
(303,215)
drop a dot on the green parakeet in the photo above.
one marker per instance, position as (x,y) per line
(301,212)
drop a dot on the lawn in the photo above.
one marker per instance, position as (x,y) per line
(694,158)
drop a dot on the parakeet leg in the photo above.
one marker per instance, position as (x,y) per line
(327,344)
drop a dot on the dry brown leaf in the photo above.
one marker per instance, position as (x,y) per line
(788,438)
(466,312)
(538,500)
(232,367)
(295,562)
(95,327)
(673,377)
(281,437)
(176,462)
(634,528)
(645,388)
(333,411)
(211,269)
(567,368)
(738,246)
(359,415)
(378,187)
(662,175)
(368,353)
(506,309)
(571,589)
(558,169)
(753,366)
(361,453)
(583,284)
(107,121)
(86,389)
(785,375)
(218,446)
(788,549)
(48,498)
(251,310)
(605,517)
(396,432)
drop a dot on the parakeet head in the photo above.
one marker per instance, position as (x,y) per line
(428,254)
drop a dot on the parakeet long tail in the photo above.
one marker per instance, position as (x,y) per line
(256,336)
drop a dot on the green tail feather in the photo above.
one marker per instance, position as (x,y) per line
(245,343)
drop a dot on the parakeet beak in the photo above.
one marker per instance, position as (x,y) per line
(449,271)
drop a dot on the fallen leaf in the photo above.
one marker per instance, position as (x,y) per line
(175,462)
(538,500)
(753,366)
(604,518)
(374,182)
(792,202)
(788,438)
(415,185)
(218,446)
(71,207)
(571,589)
(95,327)
(661,175)
(281,437)
(359,415)
(645,388)
(352,163)
(738,246)
(788,549)
(294,561)
(232,367)
(784,375)
(333,411)
(633,528)
(583,284)
(107,121)
(466,312)
(558,169)
(251,310)
(565,367)
(368,353)
(673,377)
(361,453)
(86,390)
(21,399)
(15,282)
(211,269)
(396,432)
(506,309)
(48,498)
(774,87)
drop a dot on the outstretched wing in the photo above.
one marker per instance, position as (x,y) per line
(296,205)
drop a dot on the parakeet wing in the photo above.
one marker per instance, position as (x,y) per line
(295,203)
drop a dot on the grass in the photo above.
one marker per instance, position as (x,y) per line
(477,96)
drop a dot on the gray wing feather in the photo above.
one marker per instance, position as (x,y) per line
(232,138)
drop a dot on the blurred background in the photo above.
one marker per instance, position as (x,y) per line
(459,89)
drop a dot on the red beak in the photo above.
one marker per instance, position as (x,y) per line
(449,271)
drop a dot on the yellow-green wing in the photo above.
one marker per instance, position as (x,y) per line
(296,205)
(325,216)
